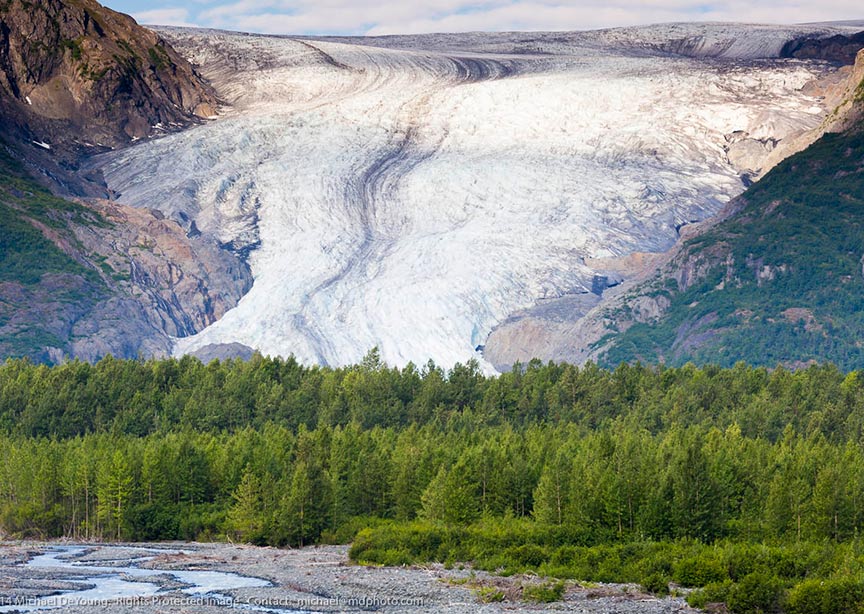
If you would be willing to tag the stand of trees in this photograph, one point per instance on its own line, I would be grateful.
(275, 486)
(160, 396)
(552, 468)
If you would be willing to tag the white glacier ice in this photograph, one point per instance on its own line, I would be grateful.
(412, 192)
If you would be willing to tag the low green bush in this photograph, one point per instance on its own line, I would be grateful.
(749, 578)
(489, 594)
(716, 592)
(756, 593)
(699, 570)
(347, 531)
(546, 592)
(565, 556)
(833, 596)
(528, 555)
(656, 584)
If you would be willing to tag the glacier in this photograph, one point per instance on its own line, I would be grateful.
(412, 192)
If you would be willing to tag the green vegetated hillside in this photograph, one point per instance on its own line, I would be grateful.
(745, 484)
(43, 288)
(779, 282)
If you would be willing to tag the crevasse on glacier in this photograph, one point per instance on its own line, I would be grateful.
(409, 193)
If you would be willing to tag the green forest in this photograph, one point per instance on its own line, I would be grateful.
(745, 483)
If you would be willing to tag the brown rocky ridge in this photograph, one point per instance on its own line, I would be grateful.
(77, 78)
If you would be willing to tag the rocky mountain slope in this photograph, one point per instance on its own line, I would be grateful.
(77, 78)
(413, 193)
(86, 278)
(776, 279)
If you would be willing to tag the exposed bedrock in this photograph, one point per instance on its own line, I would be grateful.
(77, 78)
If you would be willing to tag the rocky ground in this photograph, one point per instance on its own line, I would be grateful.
(319, 579)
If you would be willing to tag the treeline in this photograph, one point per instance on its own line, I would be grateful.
(639, 474)
(277, 487)
(158, 396)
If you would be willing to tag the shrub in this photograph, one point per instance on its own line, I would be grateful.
(347, 531)
(528, 555)
(203, 522)
(153, 522)
(835, 596)
(789, 562)
(656, 584)
(547, 592)
(716, 592)
(566, 556)
(392, 557)
(741, 560)
(756, 593)
(489, 594)
(699, 571)
(657, 563)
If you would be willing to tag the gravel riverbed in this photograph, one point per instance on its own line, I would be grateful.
(317, 579)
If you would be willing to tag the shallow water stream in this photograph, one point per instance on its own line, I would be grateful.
(123, 579)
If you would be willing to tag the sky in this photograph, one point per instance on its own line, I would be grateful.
(371, 17)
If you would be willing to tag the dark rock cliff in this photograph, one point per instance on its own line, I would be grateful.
(839, 49)
(76, 77)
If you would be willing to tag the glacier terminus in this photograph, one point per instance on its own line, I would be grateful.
(412, 192)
